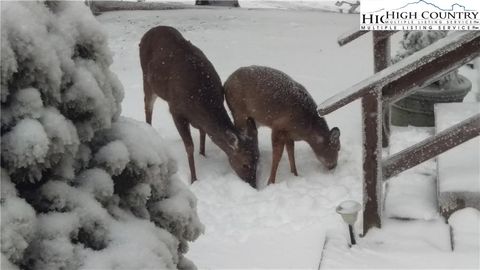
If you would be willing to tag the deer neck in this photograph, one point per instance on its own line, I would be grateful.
(218, 133)
(317, 131)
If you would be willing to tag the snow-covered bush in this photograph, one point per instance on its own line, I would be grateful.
(81, 186)
(18, 222)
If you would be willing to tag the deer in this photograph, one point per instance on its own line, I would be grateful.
(178, 72)
(269, 97)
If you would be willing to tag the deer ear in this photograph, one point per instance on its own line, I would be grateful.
(251, 128)
(335, 136)
(232, 140)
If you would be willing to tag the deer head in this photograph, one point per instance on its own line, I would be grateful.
(326, 146)
(243, 156)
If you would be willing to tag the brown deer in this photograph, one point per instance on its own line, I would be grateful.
(271, 98)
(178, 72)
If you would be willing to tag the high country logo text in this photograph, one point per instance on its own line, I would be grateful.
(420, 15)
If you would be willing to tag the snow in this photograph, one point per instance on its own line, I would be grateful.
(60, 131)
(136, 244)
(279, 248)
(97, 182)
(459, 167)
(411, 194)
(466, 228)
(399, 245)
(27, 103)
(18, 226)
(26, 146)
(113, 156)
(175, 214)
(284, 225)
(143, 149)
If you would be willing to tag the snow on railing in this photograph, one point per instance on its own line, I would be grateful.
(461, 45)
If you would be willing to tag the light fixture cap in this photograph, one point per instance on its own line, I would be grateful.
(349, 211)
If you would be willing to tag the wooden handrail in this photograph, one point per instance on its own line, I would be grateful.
(355, 33)
(350, 36)
(432, 147)
(390, 83)
(453, 57)
(460, 45)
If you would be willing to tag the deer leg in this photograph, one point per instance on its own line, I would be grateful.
(291, 156)
(183, 128)
(202, 142)
(278, 143)
(149, 100)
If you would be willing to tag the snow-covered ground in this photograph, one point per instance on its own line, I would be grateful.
(285, 225)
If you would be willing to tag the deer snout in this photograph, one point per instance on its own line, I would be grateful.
(251, 175)
(252, 181)
(247, 171)
(329, 164)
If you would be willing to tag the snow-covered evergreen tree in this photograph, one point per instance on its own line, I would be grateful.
(81, 186)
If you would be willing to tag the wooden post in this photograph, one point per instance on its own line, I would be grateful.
(476, 66)
(372, 157)
(381, 51)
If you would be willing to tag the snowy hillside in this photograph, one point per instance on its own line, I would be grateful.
(284, 225)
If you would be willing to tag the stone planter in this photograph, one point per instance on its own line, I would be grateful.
(417, 108)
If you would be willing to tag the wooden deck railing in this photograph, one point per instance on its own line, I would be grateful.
(390, 83)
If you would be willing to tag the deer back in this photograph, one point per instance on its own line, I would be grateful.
(272, 98)
(177, 70)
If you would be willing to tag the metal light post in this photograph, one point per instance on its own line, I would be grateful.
(349, 212)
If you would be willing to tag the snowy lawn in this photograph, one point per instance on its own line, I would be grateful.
(282, 225)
